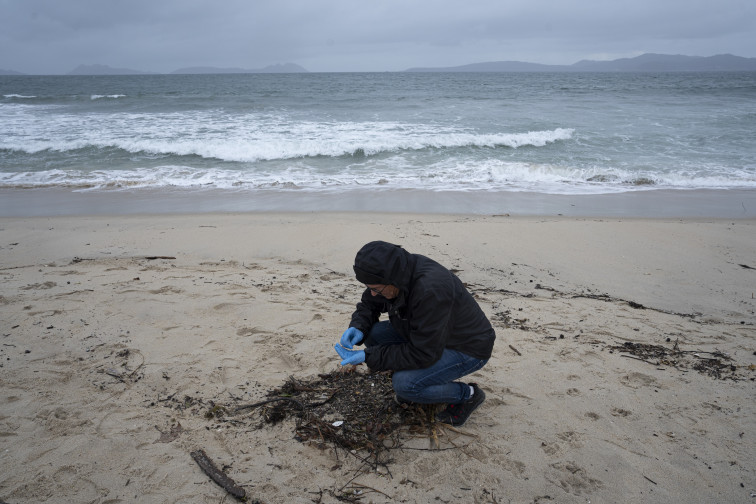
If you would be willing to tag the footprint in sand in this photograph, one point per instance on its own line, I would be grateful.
(565, 441)
(249, 331)
(637, 380)
(572, 478)
(619, 412)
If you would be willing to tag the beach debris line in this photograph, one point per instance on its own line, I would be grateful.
(217, 475)
(715, 364)
(352, 410)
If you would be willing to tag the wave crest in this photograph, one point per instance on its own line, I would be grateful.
(100, 97)
(445, 175)
(268, 140)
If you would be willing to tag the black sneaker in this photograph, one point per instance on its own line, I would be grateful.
(457, 414)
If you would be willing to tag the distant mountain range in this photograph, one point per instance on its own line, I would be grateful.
(644, 63)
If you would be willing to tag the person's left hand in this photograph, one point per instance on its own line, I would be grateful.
(350, 356)
(351, 337)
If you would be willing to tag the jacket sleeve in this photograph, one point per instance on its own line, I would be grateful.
(431, 306)
(367, 313)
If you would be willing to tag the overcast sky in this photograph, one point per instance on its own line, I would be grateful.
(55, 36)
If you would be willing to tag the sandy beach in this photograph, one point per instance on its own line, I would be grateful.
(119, 333)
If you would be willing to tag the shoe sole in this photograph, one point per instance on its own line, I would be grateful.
(477, 390)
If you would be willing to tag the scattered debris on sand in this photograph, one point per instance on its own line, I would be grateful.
(715, 364)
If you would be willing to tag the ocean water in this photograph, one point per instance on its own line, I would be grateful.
(303, 136)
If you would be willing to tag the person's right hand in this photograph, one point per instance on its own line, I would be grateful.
(352, 357)
(351, 337)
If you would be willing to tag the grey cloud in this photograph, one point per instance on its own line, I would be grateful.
(41, 36)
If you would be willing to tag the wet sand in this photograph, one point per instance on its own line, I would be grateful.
(729, 204)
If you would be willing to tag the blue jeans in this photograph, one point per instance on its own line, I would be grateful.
(431, 385)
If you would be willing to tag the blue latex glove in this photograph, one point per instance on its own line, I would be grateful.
(351, 337)
(350, 356)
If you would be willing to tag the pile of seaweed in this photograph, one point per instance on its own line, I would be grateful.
(352, 410)
(714, 364)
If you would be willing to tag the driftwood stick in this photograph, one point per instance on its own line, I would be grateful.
(515, 350)
(642, 360)
(217, 475)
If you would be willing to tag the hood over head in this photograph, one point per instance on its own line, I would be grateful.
(383, 263)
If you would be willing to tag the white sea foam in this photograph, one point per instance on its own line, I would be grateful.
(99, 97)
(18, 96)
(491, 175)
(251, 138)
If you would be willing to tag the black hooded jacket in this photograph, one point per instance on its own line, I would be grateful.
(432, 311)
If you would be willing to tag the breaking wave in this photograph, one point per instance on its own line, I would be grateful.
(268, 139)
(448, 175)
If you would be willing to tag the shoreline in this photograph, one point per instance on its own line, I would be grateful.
(724, 203)
(123, 333)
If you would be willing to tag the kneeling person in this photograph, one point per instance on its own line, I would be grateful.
(436, 332)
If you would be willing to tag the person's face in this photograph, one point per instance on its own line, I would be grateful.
(387, 291)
